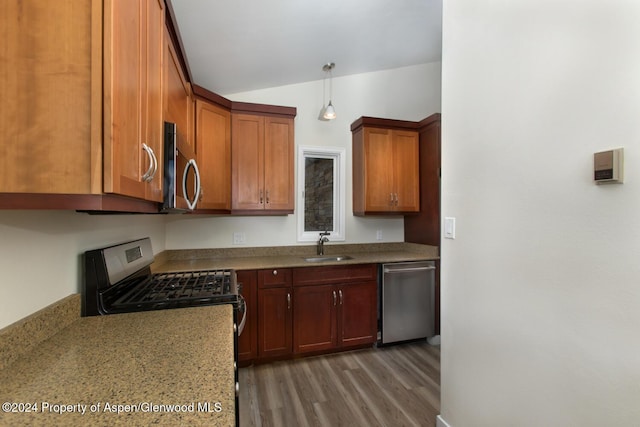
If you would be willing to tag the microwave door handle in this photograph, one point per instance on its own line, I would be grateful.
(197, 185)
(191, 164)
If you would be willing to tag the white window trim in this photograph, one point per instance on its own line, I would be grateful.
(339, 183)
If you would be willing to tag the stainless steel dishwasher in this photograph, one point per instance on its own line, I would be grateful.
(407, 301)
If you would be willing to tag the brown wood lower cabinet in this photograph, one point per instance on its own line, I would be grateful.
(329, 317)
(309, 310)
(315, 318)
(275, 313)
(334, 307)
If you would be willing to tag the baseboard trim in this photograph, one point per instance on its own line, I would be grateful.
(440, 422)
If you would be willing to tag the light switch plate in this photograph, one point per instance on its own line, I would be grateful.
(449, 227)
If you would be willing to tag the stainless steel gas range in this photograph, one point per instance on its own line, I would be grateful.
(118, 279)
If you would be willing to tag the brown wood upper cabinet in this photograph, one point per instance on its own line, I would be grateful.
(133, 132)
(213, 152)
(178, 99)
(82, 104)
(262, 156)
(385, 167)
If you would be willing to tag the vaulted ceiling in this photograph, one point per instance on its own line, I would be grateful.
(241, 45)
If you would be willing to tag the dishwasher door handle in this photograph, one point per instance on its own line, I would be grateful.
(407, 270)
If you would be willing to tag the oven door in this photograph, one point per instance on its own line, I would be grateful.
(182, 177)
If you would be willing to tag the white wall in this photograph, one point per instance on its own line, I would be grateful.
(410, 93)
(541, 287)
(40, 253)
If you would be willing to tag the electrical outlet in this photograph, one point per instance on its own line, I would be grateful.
(379, 235)
(239, 238)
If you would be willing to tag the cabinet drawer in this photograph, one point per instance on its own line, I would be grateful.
(274, 278)
(329, 274)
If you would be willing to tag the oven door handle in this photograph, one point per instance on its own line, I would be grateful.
(243, 303)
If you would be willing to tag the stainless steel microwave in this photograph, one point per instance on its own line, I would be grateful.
(181, 175)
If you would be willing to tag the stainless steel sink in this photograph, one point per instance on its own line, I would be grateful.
(325, 258)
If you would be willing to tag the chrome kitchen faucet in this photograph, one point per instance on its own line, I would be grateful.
(321, 241)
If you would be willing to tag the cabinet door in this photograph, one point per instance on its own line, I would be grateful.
(315, 318)
(178, 101)
(248, 341)
(213, 151)
(278, 164)
(152, 124)
(378, 169)
(406, 171)
(357, 314)
(133, 102)
(247, 157)
(124, 158)
(51, 119)
(274, 322)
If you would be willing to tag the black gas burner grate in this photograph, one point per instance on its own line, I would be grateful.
(179, 287)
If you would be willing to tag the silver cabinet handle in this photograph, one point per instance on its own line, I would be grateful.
(341, 299)
(288, 301)
(155, 164)
(148, 175)
(274, 272)
(261, 196)
(267, 196)
(334, 298)
(390, 199)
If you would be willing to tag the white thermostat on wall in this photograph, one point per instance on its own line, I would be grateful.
(608, 167)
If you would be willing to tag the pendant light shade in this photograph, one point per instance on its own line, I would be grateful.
(328, 112)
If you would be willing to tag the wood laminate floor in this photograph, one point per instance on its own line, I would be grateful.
(389, 386)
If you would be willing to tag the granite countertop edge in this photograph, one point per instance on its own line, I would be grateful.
(290, 256)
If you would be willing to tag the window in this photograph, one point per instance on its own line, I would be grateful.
(321, 194)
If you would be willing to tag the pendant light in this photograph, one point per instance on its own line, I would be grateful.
(328, 112)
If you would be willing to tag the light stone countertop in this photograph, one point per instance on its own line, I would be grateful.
(167, 357)
(289, 256)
